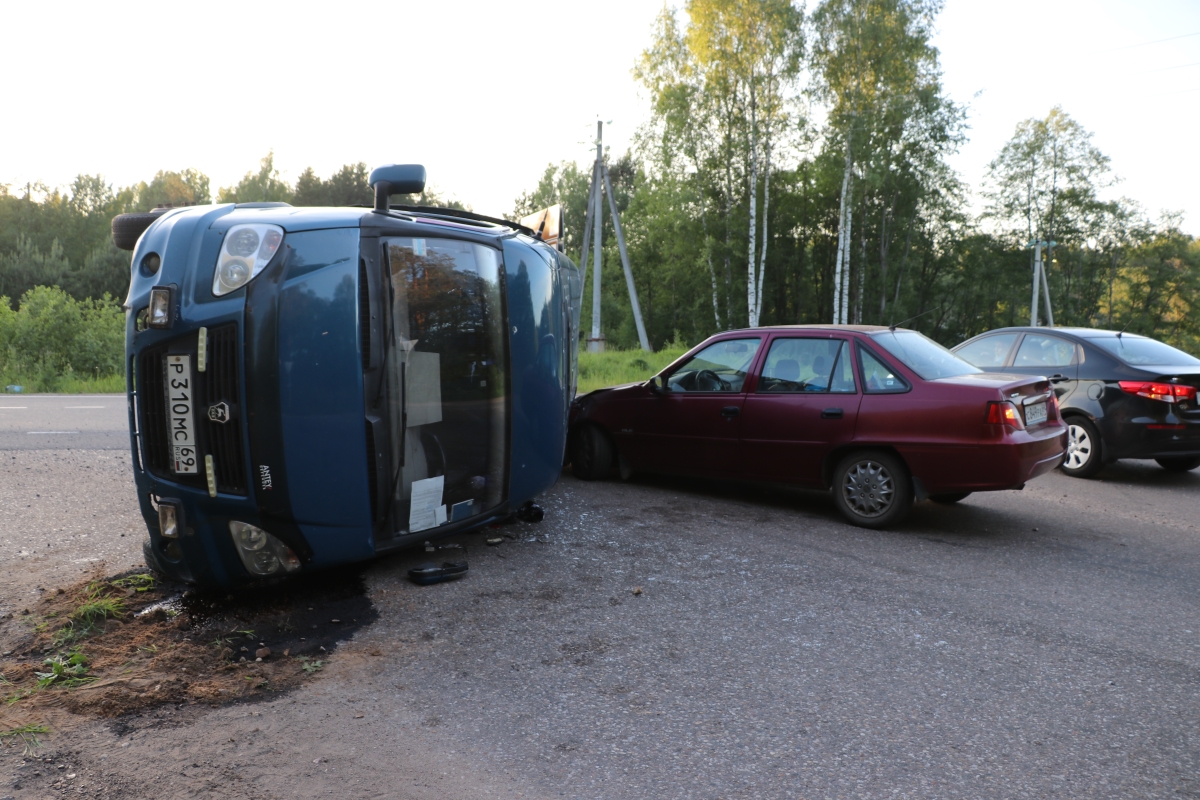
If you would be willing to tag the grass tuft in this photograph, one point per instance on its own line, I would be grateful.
(142, 582)
(99, 609)
(65, 671)
(27, 735)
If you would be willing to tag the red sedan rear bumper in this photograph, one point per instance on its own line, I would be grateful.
(1005, 463)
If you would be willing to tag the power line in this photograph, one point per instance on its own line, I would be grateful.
(1145, 44)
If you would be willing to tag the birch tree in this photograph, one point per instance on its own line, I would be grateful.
(875, 63)
(750, 50)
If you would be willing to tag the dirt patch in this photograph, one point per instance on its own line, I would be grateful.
(110, 646)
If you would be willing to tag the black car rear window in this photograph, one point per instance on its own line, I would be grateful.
(1137, 350)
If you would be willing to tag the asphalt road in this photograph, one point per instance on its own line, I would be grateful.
(1043, 643)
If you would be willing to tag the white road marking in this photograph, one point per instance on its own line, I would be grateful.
(31, 433)
(6, 408)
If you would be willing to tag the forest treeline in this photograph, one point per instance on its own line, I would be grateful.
(794, 169)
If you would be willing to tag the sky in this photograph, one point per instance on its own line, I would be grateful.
(486, 94)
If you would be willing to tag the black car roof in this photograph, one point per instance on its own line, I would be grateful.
(1082, 333)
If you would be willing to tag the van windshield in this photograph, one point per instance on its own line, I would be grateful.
(447, 381)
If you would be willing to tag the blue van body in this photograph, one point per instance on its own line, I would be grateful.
(386, 377)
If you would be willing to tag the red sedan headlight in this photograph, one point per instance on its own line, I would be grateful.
(1004, 413)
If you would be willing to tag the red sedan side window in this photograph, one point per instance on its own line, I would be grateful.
(878, 377)
(720, 367)
(807, 365)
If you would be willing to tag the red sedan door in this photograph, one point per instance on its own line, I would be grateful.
(805, 404)
(694, 425)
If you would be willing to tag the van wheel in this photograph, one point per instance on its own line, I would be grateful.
(591, 454)
(872, 489)
(128, 228)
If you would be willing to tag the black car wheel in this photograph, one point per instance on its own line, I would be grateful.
(872, 489)
(1179, 463)
(947, 499)
(591, 454)
(1084, 449)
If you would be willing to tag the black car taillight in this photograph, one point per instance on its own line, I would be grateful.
(1166, 392)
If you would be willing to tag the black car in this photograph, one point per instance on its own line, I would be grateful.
(1121, 395)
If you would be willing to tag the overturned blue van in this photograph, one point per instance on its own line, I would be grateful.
(311, 387)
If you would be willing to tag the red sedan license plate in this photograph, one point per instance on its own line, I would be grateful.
(181, 421)
(1035, 414)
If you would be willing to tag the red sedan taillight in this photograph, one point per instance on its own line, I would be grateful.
(1004, 413)
(1166, 392)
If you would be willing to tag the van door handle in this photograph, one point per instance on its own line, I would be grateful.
(1058, 378)
(831, 413)
(730, 411)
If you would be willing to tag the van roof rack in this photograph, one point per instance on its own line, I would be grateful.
(459, 214)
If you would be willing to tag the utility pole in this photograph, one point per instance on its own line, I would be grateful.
(1037, 278)
(596, 342)
(1039, 284)
(595, 211)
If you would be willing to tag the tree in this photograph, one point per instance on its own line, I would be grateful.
(188, 187)
(750, 50)
(266, 185)
(347, 187)
(878, 70)
(1044, 185)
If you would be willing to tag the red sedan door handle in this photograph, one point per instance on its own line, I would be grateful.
(831, 413)
(730, 411)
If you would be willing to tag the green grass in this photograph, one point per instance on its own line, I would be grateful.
(66, 671)
(98, 610)
(27, 735)
(141, 582)
(64, 384)
(614, 367)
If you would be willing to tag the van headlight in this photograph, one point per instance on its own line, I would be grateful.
(261, 553)
(245, 252)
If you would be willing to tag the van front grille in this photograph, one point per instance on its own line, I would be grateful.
(219, 384)
(152, 402)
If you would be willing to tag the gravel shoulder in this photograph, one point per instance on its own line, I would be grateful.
(686, 639)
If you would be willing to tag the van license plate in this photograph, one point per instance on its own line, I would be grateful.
(181, 421)
(1035, 413)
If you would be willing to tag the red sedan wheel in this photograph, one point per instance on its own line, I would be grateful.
(872, 489)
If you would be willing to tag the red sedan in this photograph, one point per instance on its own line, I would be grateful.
(881, 416)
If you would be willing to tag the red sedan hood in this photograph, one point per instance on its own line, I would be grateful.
(606, 389)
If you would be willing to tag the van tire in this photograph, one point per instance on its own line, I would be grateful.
(128, 228)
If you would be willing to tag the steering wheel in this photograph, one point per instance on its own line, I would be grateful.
(709, 381)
